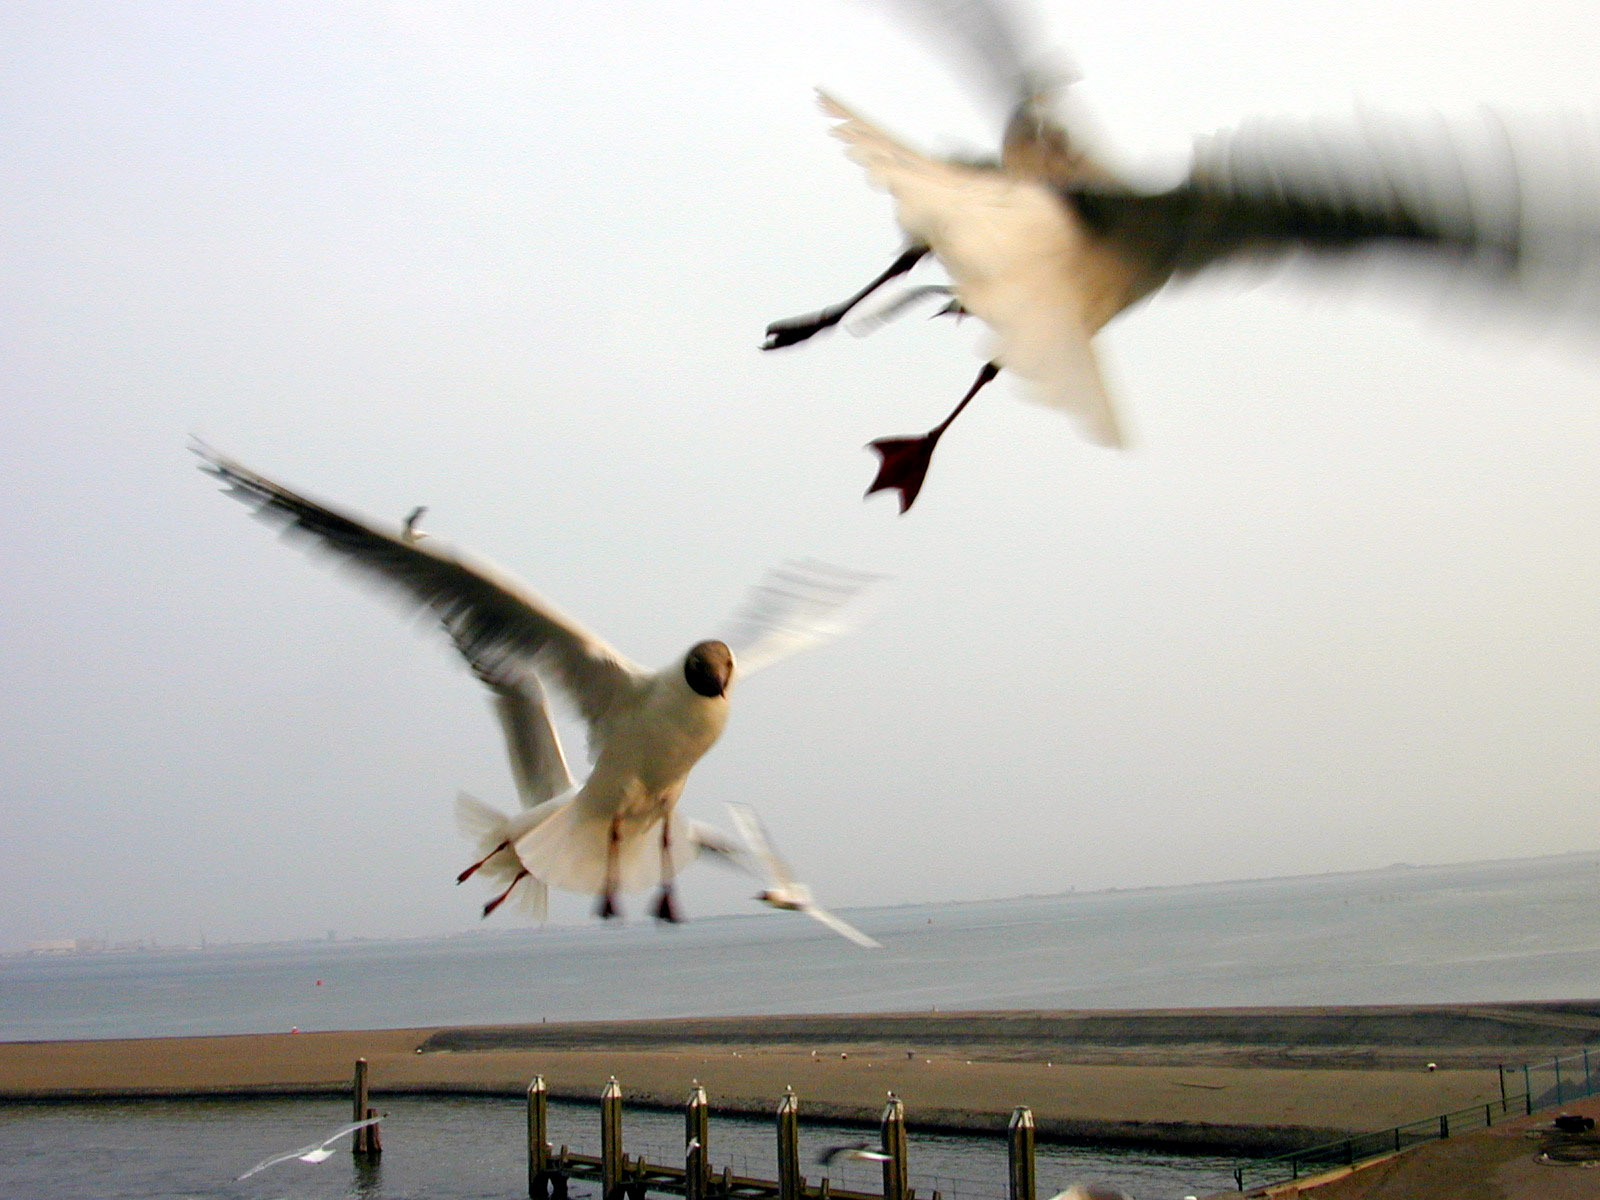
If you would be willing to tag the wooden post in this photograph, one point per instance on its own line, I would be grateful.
(893, 1129)
(610, 1140)
(366, 1140)
(1019, 1153)
(538, 1140)
(696, 1145)
(791, 1186)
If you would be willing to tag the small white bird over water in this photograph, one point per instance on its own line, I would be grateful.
(783, 890)
(314, 1153)
(620, 830)
(1049, 244)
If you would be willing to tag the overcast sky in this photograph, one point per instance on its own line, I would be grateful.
(1335, 609)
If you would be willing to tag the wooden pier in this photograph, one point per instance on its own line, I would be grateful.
(622, 1178)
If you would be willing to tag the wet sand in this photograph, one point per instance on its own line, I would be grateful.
(1226, 1080)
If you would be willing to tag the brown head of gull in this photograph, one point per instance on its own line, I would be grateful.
(620, 829)
(1048, 244)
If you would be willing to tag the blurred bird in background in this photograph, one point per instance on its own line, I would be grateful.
(1049, 244)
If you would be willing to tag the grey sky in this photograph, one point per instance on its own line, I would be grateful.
(1337, 607)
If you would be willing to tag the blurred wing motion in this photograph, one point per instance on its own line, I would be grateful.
(989, 37)
(314, 1153)
(853, 1152)
(491, 617)
(538, 763)
(1516, 204)
(797, 606)
(783, 889)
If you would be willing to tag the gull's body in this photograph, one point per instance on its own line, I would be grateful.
(314, 1153)
(1048, 245)
(620, 829)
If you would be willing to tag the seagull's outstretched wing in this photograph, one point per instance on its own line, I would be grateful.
(990, 35)
(314, 1153)
(840, 926)
(796, 895)
(1519, 205)
(1004, 241)
(797, 606)
(538, 763)
(710, 840)
(755, 838)
(490, 616)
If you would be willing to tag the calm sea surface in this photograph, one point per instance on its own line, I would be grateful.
(1525, 929)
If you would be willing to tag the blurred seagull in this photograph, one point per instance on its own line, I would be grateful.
(620, 830)
(858, 1152)
(783, 890)
(314, 1153)
(1049, 244)
(409, 532)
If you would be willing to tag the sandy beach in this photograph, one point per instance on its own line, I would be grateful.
(1224, 1080)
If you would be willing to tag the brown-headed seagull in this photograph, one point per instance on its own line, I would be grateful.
(620, 830)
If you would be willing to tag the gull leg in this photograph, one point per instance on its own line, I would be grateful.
(501, 898)
(906, 460)
(797, 329)
(666, 909)
(608, 898)
(473, 869)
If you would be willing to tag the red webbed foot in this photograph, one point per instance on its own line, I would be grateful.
(904, 466)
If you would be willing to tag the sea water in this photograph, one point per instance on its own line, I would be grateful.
(463, 1149)
(1513, 930)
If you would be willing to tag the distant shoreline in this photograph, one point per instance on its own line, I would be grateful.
(65, 948)
(1216, 1080)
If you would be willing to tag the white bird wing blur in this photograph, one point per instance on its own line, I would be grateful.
(1018, 265)
(708, 839)
(490, 616)
(538, 763)
(840, 926)
(782, 879)
(755, 838)
(314, 1153)
(797, 606)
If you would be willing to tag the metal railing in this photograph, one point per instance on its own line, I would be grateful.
(1546, 1084)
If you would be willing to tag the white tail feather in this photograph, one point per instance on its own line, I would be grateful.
(487, 827)
(567, 849)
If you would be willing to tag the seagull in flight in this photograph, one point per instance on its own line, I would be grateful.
(783, 890)
(854, 1152)
(620, 830)
(1049, 244)
(314, 1153)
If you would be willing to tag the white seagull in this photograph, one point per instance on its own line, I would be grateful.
(620, 830)
(854, 1152)
(783, 890)
(1048, 245)
(314, 1153)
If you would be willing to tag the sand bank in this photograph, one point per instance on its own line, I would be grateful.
(1245, 1079)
